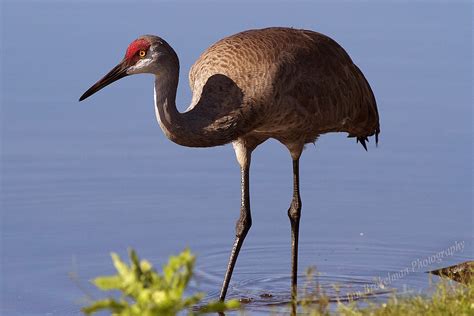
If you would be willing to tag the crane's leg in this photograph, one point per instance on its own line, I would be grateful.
(245, 220)
(294, 213)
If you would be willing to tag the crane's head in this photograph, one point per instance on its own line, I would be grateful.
(147, 54)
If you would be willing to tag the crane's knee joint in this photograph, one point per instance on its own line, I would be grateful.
(294, 212)
(243, 225)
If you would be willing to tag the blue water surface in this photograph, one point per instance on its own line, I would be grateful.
(79, 180)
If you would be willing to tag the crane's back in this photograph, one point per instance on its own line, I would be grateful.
(298, 83)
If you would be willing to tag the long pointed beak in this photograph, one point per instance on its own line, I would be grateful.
(118, 72)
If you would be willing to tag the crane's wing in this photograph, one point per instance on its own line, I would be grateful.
(334, 91)
(221, 109)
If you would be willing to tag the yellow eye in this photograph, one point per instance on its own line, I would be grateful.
(142, 53)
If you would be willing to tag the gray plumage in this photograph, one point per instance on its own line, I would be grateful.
(295, 84)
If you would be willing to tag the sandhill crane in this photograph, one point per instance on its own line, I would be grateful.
(288, 84)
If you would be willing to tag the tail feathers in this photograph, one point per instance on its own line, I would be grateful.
(364, 140)
(377, 132)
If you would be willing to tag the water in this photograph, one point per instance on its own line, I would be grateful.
(81, 180)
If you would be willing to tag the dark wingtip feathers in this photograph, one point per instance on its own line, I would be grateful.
(377, 137)
(362, 141)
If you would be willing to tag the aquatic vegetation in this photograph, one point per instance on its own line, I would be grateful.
(449, 298)
(146, 292)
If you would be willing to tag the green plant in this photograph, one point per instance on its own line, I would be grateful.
(146, 292)
(448, 298)
(314, 298)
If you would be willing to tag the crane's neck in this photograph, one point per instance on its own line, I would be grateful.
(193, 128)
(167, 114)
